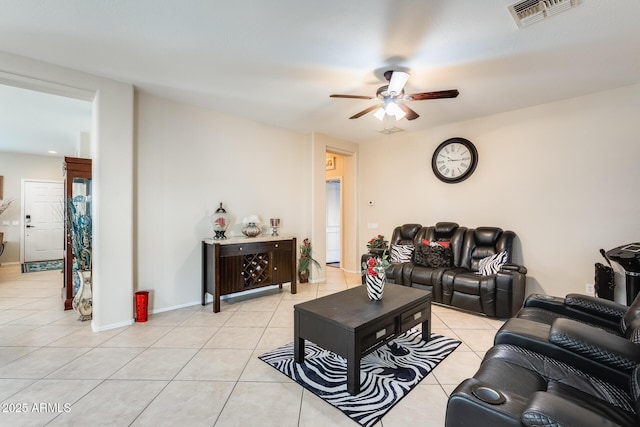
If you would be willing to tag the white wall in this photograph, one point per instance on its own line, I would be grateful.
(15, 167)
(188, 160)
(564, 176)
(112, 154)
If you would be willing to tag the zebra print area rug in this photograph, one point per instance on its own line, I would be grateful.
(386, 376)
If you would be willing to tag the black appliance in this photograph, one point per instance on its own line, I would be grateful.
(628, 256)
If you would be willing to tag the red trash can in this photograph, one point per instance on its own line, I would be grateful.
(142, 305)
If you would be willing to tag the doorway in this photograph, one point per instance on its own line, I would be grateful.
(334, 221)
(43, 220)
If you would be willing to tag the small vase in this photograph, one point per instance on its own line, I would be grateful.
(83, 301)
(251, 230)
(375, 286)
(303, 276)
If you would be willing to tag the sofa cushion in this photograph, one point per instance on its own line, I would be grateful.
(491, 264)
(401, 253)
(443, 243)
(433, 255)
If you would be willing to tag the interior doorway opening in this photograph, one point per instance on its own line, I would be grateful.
(334, 222)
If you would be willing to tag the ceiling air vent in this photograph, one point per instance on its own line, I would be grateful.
(388, 131)
(527, 12)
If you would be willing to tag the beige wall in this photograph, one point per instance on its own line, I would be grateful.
(188, 161)
(563, 176)
(15, 167)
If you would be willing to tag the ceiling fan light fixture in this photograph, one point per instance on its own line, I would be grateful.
(393, 109)
(391, 97)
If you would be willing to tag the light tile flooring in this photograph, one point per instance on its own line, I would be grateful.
(188, 367)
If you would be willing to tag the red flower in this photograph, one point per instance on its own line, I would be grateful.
(371, 262)
(371, 272)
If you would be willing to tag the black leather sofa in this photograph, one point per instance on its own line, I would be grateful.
(459, 284)
(558, 362)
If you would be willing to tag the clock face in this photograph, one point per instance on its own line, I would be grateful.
(454, 160)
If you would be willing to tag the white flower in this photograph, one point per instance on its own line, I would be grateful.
(255, 219)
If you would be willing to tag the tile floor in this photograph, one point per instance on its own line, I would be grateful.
(188, 367)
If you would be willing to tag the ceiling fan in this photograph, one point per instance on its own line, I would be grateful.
(391, 95)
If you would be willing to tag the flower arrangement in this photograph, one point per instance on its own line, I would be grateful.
(306, 257)
(251, 219)
(376, 266)
(377, 242)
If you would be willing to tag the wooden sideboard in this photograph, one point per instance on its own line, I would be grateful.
(243, 263)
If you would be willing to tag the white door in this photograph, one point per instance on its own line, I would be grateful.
(334, 218)
(43, 220)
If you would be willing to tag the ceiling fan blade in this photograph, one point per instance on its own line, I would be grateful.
(351, 96)
(432, 95)
(363, 112)
(410, 114)
(397, 82)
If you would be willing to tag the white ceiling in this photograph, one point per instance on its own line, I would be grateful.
(278, 61)
(38, 123)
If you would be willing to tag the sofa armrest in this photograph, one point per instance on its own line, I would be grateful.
(514, 267)
(599, 306)
(510, 291)
(464, 408)
(597, 311)
(546, 409)
(595, 344)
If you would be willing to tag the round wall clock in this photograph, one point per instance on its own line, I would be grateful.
(454, 160)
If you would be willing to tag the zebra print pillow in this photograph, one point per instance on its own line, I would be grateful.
(491, 264)
(401, 253)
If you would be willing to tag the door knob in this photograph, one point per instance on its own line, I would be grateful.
(31, 226)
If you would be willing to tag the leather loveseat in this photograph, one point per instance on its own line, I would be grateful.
(457, 281)
(557, 365)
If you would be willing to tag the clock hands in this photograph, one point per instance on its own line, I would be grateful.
(457, 160)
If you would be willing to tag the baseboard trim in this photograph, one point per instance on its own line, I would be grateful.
(95, 328)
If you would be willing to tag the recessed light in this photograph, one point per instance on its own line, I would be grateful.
(52, 152)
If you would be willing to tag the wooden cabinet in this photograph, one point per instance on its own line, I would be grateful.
(240, 264)
(77, 187)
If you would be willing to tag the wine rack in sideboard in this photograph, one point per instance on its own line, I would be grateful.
(240, 264)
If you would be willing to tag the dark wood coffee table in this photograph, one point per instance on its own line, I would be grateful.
(350, 325)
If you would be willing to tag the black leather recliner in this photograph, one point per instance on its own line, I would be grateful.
(572, 340)
(496, 295)
(430, 278)
(598, 312)
(515, 386)
(562, 373)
